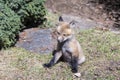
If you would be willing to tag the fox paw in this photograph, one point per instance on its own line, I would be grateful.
(77, 74)
(74, 70)
(47, 65)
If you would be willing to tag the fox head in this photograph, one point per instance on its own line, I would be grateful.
(64, 31)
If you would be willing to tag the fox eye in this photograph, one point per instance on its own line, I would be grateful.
(58, 33)
(64, 34)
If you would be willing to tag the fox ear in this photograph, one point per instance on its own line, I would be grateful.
(72, 24)
(60, 18)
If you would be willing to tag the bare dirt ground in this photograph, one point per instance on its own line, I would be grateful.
(80, 8)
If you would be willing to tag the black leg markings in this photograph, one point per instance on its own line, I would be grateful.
(51, 63)
(74, 64)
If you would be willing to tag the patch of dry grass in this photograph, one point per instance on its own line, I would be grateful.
(102, 50)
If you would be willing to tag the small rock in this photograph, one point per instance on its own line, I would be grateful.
(77, 74)
(36, 40)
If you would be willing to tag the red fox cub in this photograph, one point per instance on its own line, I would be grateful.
(68, 48)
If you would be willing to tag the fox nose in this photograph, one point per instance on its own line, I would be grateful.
(60, 39)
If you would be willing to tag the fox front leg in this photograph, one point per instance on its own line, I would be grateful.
(54, 60)
(74, 64)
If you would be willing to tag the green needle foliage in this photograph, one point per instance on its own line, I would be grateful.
(16, 15)
(9, 26)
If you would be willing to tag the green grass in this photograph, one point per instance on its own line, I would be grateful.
(102, 48)
(52, 19)
(103, 44)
